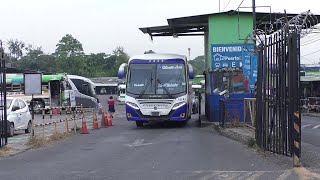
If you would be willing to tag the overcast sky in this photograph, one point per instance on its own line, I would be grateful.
(101, 25)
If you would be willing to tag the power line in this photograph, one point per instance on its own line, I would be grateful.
(239, 5)
(311, 53)
(310, 42)
(226, 5)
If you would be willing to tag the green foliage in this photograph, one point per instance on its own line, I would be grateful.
(70, 58)
(198, 65)
(16, 48)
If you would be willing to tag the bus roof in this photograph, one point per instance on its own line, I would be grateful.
(18, 78)
(158, 56)
(122, 86)
(81, 77)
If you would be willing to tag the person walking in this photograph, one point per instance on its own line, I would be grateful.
(111, 105)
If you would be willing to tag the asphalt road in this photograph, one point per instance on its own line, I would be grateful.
(310, 127)
(156, 151)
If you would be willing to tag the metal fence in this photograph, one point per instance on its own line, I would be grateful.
(3, 107)
(278, 104)
(231, 112)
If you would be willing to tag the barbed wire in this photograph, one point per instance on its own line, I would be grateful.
(303, 23)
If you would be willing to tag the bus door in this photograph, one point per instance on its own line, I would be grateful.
(55, 93)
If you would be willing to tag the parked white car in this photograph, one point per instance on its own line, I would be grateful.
(18, 115)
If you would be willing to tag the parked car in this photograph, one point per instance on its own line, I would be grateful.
(18, 116)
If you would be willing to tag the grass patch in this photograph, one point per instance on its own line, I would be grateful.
(252, 143)
(5, 150)
(36, 141)
(57, 136)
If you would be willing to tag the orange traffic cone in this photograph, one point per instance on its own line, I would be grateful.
(109, 119)
(84, 125)
(55, 110)
(95, 121)
(103, 121)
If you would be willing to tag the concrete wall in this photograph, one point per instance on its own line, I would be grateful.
(228, 29)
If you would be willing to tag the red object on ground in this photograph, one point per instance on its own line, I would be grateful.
(103, 121)
(55, 111)
(109, 119)
(84, 129)
(95, 121)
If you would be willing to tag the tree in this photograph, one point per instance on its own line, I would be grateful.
(69, 55)
(198, 64)
(16, 48)
(69, 46)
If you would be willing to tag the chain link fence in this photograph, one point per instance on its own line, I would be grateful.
(231, 112)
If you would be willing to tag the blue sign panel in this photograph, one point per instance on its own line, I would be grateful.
(236, 56)
(226, 55)
(254, 72)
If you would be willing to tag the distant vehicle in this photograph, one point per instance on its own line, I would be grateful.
(122, 93)
(84, 91)
(197, 89)
(157, 88)
(18, 116)
(103, 91)
(52, 90)
(56, 91)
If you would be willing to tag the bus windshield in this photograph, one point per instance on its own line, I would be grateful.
(157, 79)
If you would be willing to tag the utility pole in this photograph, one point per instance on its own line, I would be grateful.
(219, 5)
(189, 49)
(254, 14)
(254, 24)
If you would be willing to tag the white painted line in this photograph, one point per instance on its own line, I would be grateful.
(304, 126)
(316, 127)
(285, 175)
(210, 176)
(256, 175)
(138, 142)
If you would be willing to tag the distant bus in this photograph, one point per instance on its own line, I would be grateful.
(56, 90)
(157, 88)
(121, 92)
(84, 91)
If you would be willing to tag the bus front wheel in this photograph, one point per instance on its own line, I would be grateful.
(139, 123)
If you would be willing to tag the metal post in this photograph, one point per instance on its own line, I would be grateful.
(74, 120)
(254, 24)
(32, 120)
(199, 109)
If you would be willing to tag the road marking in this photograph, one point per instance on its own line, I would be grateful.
(304, 126)
(211, 175)
(256, 175)
(316, 127)
(138, 142)
(285, 175)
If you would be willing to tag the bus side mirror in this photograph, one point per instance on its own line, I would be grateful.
(121, 71)
(191, 73)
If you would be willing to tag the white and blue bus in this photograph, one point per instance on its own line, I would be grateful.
(121, 92)
(157, 88)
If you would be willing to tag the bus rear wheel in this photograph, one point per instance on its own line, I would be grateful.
(139, 123)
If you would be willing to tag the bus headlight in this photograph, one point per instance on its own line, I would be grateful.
(133, 105)
(177, 105)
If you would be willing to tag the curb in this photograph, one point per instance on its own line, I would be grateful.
(233, 135)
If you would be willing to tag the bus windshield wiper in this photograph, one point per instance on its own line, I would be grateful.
(165, 88)
(146, 87)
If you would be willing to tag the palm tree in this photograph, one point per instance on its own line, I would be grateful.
(16, 48)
